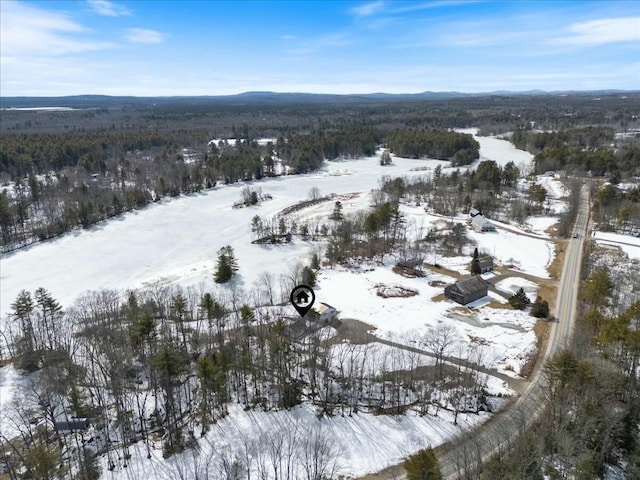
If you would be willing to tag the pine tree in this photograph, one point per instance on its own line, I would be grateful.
(385, 158)
(519, 300)
(474, 266)
(227, 265)
(315, 261)
(308, 277)
(337, 211)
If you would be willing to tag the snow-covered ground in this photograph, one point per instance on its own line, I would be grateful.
(530, 255)
(502, 151)
(362, 443)
(628, 244)
(176, 241)
(512, 284)
(540, 225)
(507, 335)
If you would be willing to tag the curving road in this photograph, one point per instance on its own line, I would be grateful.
(471, 448)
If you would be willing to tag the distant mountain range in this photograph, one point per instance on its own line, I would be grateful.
(98, 101)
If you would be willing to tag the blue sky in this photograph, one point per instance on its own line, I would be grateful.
(215, 47)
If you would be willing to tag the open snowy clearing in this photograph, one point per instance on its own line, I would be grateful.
(506, 336)
(628, 244)
(176, 240)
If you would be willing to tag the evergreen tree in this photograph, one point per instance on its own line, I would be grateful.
(315, 261)
(598, 288)
(474, 266)
(308, 276)
(227, 265)
(385, 158)
(519, 300)
(337, 211)
(423, 466)
(540, 308)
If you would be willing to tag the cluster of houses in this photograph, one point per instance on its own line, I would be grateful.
(474, 288)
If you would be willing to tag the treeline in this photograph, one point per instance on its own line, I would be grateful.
(38, 153)
(459, 148)
(581, 150)
(99, 175)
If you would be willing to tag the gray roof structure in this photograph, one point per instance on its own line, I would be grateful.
(471, 285)
(485, 261)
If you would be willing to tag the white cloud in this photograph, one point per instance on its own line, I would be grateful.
(435, 4)
(144, 35)
(107, 8)
(602, 31)
(27, 30)
(367, 9)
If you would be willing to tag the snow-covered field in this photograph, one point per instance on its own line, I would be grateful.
(176, 241)
(530, 255)
(628, 244)
(540, 225)
(363, 443)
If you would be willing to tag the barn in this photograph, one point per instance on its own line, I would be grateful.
(467, 291)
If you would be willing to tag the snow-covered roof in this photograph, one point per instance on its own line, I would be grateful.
(482, 223)
(323, 307)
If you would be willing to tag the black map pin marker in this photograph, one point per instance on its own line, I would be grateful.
(302, 298)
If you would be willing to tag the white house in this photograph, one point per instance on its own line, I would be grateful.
(481, 224)
(325, 312)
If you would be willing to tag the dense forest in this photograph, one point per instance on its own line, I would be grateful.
(460, 148)
(582, 150)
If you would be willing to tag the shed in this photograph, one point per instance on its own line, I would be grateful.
(71, 425)
(474, 212)
(467, 291)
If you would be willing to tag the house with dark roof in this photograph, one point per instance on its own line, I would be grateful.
(467, 291)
